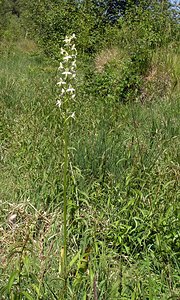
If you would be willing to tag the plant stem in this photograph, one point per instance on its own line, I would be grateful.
(65, 204)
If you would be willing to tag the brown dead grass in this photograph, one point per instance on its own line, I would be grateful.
(106, 56)
(26, 231)
(27, 46)
(162, 78)
(157, 83)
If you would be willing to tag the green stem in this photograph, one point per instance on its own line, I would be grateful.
(65, 204)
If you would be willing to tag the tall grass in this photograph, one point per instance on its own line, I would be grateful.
(122, 225)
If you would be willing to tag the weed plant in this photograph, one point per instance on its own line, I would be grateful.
(122, 191)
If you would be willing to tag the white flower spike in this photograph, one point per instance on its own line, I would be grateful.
(67, 74)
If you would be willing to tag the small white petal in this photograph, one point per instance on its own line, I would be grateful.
(70, 89)
(67, 57)
(74, 63)
(73, 115)
(60, 66)
(67, 40)
(73, 75)
(63, 91)
(73, 47)
(66, 73)
(59, 103)
(61, 82)
(63, 51)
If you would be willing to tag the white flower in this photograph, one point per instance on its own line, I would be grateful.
(63, 51)
(60, 66)
(67, 57)
(59, 103)
(73, 64)
(73, 75)
(73, 96)
(70, 89)
(61, 82)
(73, 115)
(63, 92)
(73, 69)
(68, 39)
(73, 47)
(66, 73)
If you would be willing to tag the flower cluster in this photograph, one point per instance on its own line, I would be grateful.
(67, 71)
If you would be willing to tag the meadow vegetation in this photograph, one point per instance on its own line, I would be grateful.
(121, 186)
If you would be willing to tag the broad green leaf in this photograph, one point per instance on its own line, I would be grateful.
(27, 295)
(11, 280)
(75, 258)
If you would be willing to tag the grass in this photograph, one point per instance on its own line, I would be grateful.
(123, 193)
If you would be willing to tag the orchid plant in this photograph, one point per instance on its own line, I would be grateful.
(66, 94)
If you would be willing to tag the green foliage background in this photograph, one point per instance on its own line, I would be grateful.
(123, 176)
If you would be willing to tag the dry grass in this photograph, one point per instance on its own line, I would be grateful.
(161, 79)
(27, 46)
(156, 83)
(106, 56)
(24, 229)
